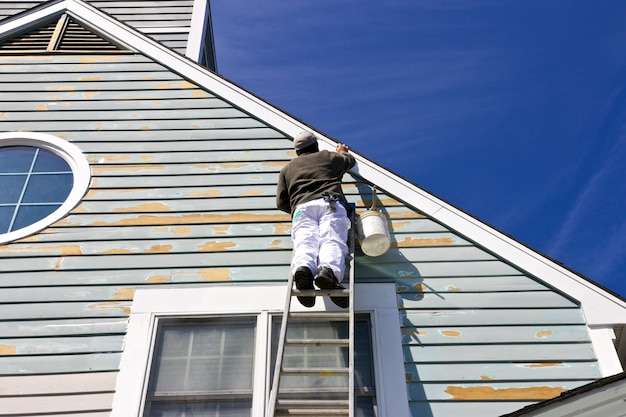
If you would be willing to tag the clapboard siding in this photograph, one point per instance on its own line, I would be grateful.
(183, 194)
(166, 21)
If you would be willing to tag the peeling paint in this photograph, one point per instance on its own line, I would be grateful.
(452, 288)
(204, 193)
(276, 244)
(146, 219)
(147, 158)
(490, 393)
(148, 207)
(159, 249)
(221, 230)
(158, 279)
(199, 93)
(213, 246)
(61, 250)
(250, 193)
(100, 170)
(219, 274)
(96, 59)
(90, 94)
(106, 306)
(42, 107)
(182, 231)
(486, 378)
(234, 165)
(124, 294)
(538, 364)
(94, 192)
(543, 334)
(114, 251)
(145, 128)
(420, 287)
(61, 88)
(91, 79)
(401, 288)
(8, 350)
(275, 164)
(409, 242)
(281, 228)
(450, 333)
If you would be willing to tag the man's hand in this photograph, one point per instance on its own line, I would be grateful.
(341, 148)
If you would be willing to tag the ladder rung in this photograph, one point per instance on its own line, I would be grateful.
(315, 371)
(317, 342)
(321, 316)
(311, 412)
(292, 404)
(320, 293)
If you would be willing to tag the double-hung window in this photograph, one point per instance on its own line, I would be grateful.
(211, 351)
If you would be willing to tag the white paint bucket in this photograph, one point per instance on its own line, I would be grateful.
(373, 233)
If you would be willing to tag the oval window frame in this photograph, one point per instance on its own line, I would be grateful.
(71, 154)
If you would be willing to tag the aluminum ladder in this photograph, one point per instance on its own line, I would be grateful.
(343, 402)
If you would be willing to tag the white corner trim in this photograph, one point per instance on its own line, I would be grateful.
(603, 340)
(197, 30)
(74, 158)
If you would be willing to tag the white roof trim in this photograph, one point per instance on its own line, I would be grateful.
(600, 306)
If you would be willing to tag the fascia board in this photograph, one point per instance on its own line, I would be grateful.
(31, 19)
(600, 307)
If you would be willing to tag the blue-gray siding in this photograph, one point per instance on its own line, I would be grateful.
(183, 194)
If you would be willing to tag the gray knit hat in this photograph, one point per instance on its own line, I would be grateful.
(303, 139)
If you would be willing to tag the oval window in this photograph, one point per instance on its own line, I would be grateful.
(42, 178)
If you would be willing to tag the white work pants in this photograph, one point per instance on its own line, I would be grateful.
(319, 237)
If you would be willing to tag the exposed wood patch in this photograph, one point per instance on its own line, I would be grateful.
(158, 279)
(276, 244)
(97, 170)
(414, 333)
(450, 333)
(409, 241)
(114, 251)
(486, 378)
(181, 231)
(539, 364)
(213, 246)
(150, 207)
(186, 219)
(159, 249)
(111, 305)
(8, 350)
(250, 193)
(60, 250)
(543, 334)
(205, 193)
(221, 230)
(124, 294)
(218, 274)
(281, 228)
(490, 393)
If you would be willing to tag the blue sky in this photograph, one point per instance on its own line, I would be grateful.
(513, 111)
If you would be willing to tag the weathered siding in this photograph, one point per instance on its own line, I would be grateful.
(166, 21)
(183, 194)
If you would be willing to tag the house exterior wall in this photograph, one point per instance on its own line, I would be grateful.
(182, 194)
(166, 21)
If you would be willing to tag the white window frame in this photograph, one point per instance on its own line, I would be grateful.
(74, 158)
(150, 305)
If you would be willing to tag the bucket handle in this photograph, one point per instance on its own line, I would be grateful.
(373, 208)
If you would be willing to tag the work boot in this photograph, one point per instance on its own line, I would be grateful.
(326, 280)
(304, 281)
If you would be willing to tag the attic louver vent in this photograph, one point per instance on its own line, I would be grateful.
(63, 35)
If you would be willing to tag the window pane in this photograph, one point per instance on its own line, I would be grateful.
(48, 161)
(11, 188)
(48, 188)
(16, 158)
(205, 357)
(200, 409)
(27, 215)
(6, 214)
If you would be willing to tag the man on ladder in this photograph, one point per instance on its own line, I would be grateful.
(309, 188)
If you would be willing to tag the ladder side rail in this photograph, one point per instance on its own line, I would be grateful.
(351, 387)
(280, 351)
